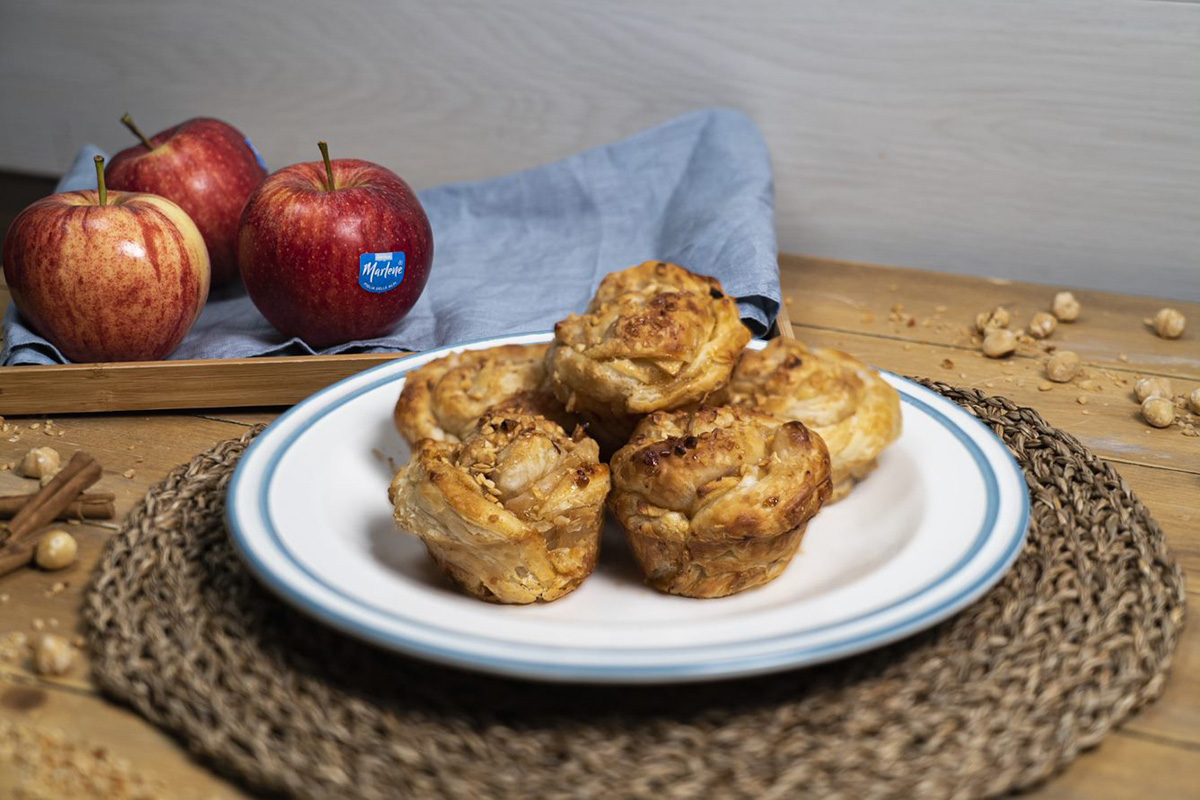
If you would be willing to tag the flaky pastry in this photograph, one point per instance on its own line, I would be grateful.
(654, 337)
(853, 409)
(715, 501)
(513, 513)
(443, 399)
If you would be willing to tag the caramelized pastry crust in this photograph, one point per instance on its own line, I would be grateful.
(854, 410)
(654, 337)
(443, 399)
(512, 514)
(715, 501)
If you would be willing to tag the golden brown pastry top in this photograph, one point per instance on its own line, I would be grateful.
(513, 512)
(443, 399)
(850, 405)
(654, 337)
(718, 474)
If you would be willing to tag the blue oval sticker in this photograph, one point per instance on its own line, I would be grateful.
(380, 272)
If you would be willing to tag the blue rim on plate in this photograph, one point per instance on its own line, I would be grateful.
(536, 661)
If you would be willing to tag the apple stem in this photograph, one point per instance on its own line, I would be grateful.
(100, 180)
(136, 131)
(330, 186)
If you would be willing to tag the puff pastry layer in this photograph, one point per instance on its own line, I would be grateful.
(654, 337)
(443, 399)
(715, 501)
(513, 513)
(853, 409)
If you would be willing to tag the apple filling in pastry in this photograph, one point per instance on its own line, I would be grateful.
(654, 337)
(443, 399)
(513, 513)
(849, 404)
(715, 501)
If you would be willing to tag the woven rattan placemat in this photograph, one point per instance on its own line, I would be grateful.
(1077, 636)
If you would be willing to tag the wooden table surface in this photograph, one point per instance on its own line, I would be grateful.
(863, 309)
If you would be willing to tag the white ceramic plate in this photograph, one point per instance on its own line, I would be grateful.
(938, 523)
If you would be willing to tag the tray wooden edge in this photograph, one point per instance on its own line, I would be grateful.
(182, 384)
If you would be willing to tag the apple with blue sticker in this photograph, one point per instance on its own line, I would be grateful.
(334, 251)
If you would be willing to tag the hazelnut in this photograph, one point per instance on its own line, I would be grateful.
(52, 655)
(1194, 400)
(1152, 387)
(56, 550)
(1065, 307)
(1062, 366)
(1169, 323)
(1158, 411)
(999, 343)
(998, 317)
(1042, 325)
(40, 462)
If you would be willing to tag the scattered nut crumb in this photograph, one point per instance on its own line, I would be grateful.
(41, 462)
(1045, 386)
(40, 762)
(998, 317)
(947, 364)
(1062, 366)
(128, 473)
(1083, 401)
(1194, 400)
(999, 343)
(56, 550)
(1158, 411)
(38, 624)
(1065, 307)
(1152, 387)
(868, 319)
(52, 655)
(788, 299)
(1042, 325)
(1169, 323)
(1122, 357)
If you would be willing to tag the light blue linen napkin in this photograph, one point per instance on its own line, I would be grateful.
(518, 253)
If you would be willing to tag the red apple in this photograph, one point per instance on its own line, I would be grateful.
(204, 165)
(301, 247)
(107, 276)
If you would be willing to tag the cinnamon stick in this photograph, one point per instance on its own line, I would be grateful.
(90, 505)
(80, 472)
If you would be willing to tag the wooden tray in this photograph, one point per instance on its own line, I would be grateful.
(201, 383)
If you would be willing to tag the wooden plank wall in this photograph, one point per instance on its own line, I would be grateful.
(1052, 141)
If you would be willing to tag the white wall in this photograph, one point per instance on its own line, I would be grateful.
(1056, 141)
